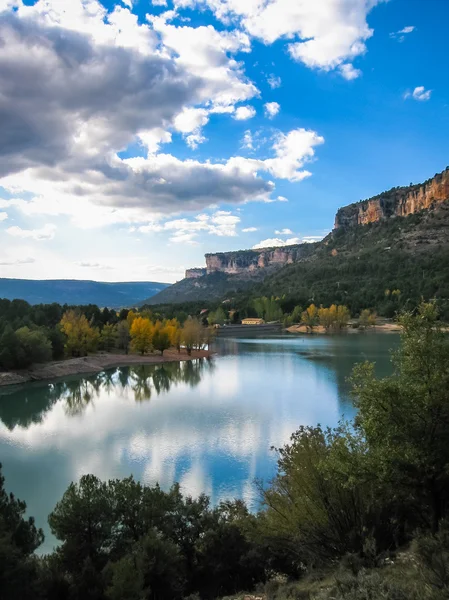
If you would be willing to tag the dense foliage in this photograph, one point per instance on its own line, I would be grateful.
(37, 334)
(351, 496)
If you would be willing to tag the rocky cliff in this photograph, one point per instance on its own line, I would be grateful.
(195, 273)
(250, 261)
(398, 202)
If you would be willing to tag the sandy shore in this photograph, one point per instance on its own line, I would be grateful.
(384, 328)
(92, 364)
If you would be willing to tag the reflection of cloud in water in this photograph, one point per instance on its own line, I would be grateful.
(207, 424)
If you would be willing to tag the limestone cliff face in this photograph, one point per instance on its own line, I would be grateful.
(250, 261)
(195, 273)
(398, 202)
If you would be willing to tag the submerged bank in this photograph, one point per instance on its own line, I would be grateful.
(92, 364)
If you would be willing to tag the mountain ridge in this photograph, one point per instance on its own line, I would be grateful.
(79, 291)
(388, 212)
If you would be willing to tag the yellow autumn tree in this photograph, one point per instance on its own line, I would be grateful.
(310, 316)
(367, 318)
(130, 318)
(173, 328)
(81, 338)
(141, 333)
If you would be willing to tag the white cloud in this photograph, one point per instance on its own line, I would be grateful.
(191, 119)
(272, 109)
(3, 216)
(311, 239)
(111, 82)
(194, 140)
(274, 81)
(400, 35)
(324, 34)
(407, 29)
(244, 113)
(159, 2)
(276, 242)
(282, 199)
(16, 261)
(47, 232)
(283, 232)
(221, 223)
(349, 72)
(419, 93)
(92, 265)
(249, 229)
(247, 141)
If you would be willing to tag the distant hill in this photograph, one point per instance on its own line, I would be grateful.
(398, 240)
(72, 291)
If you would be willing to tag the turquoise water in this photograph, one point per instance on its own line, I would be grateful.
(208, 424)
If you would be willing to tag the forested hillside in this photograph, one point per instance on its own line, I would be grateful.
(358, 266)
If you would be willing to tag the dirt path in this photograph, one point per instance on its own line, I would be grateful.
(92, 364)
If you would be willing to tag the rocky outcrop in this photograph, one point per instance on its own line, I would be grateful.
(398, 202)
(250, 261)
(195, 273)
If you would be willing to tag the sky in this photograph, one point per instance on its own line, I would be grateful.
(136, 136)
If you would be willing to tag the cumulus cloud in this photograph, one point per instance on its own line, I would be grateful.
(16, 262)
(249, 229)
(274, 81)
(3, 216)
(349, 72)
(283, 232)
(47, 232)
(271, 109)
(112, 81)
(276, 242)
(325, 34)
(221, 223)
(148, 187)
(400, 35)
(419, 93)
(244, 113)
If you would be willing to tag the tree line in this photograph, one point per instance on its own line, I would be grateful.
(345, 505)
(37, 334)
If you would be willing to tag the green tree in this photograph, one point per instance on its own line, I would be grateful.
(123, 336)
(19, 538)
(83, 520)
(405, 418)
(161, 340)
(35, 344)
(108, 337)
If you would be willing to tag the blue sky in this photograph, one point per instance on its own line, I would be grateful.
(139, 135)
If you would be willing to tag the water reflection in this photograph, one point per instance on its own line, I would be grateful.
(207, 424)
(22, 406)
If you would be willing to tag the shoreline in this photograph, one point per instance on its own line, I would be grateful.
(319, 330)
(94, 363)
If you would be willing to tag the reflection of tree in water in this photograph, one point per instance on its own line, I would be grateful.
(145, 380)
(79, 394)
(25, 405)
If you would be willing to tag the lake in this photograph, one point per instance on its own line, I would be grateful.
(209, 424)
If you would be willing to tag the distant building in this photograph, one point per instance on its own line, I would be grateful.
(253, 321)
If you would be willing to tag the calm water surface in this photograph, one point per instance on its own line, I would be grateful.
(208, 424)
